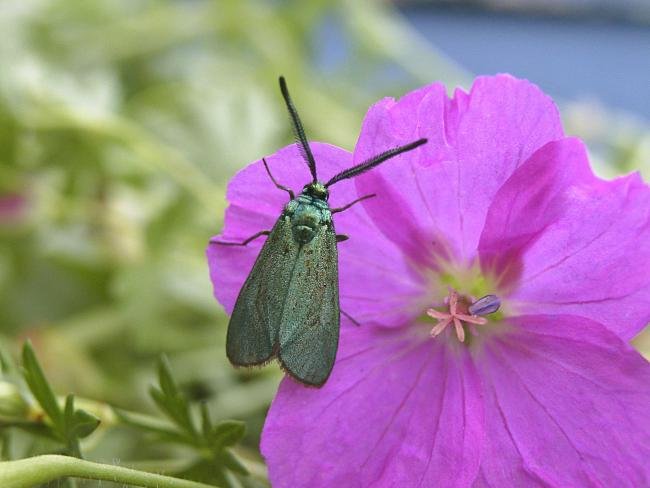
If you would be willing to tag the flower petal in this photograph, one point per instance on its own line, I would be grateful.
(536, 195)
(565, 241)
(566, 404)
(400, 210)
(444, 188)
(398, 410)
(376, 284)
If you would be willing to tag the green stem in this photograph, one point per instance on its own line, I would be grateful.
(33, 471)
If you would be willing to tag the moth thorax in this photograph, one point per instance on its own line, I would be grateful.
(303, 233)
(316, 190)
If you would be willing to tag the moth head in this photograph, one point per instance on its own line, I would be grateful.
(316, 190)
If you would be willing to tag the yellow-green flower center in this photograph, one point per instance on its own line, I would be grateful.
(464, 301)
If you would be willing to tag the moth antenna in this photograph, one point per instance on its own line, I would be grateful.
(298, 130)
(374, 161)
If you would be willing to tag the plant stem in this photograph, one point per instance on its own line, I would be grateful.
(26, 473)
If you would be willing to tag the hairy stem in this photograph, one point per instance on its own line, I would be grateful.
(29, 472)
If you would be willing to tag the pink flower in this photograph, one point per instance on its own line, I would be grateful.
(544, 392)
(13, 207)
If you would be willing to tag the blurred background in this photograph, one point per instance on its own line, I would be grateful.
(121, 122)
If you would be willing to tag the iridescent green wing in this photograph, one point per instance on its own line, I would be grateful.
(309, 328)
(255, 321)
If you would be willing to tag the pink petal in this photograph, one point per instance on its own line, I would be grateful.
(434, 200)
(566, 404)
(536, 195)
(376, 284)
(398, 410)
(568, 242)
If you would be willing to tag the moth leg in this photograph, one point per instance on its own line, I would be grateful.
(345, 207)
(342, 237)
(278, 185)
(351, 319)
(244, 242)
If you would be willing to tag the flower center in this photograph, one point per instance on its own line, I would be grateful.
(460, 312)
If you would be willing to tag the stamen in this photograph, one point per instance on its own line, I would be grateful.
(432, 312)
(460, 332)
(440, 326)
(483, 306)
(472, 319)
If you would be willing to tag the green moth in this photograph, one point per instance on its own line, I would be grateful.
(289, 305)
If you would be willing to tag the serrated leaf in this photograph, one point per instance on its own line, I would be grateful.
(40, 388)
(165, 378)
(138, 420)
(228, 432)
(78, 423)
(84, 424)
(174, 407)
(160, 431)
(71, 441)
(231, 462)
(171, 401)
(68, 410)
(160, 399)
(206, 421)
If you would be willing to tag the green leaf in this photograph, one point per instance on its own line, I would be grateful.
(68, 420)
(228, 433)
(78, 423)
(68, 411)
(231, 462)
(84, 424)
(175, 408)
(165, 378)
(171, 401)
(206, 421)
(68, 424)
(41, 389)
(158, 429)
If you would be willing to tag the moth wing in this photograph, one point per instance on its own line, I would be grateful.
(255, 320)
(309, 329)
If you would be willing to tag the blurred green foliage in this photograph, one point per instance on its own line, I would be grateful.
(121, 122)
